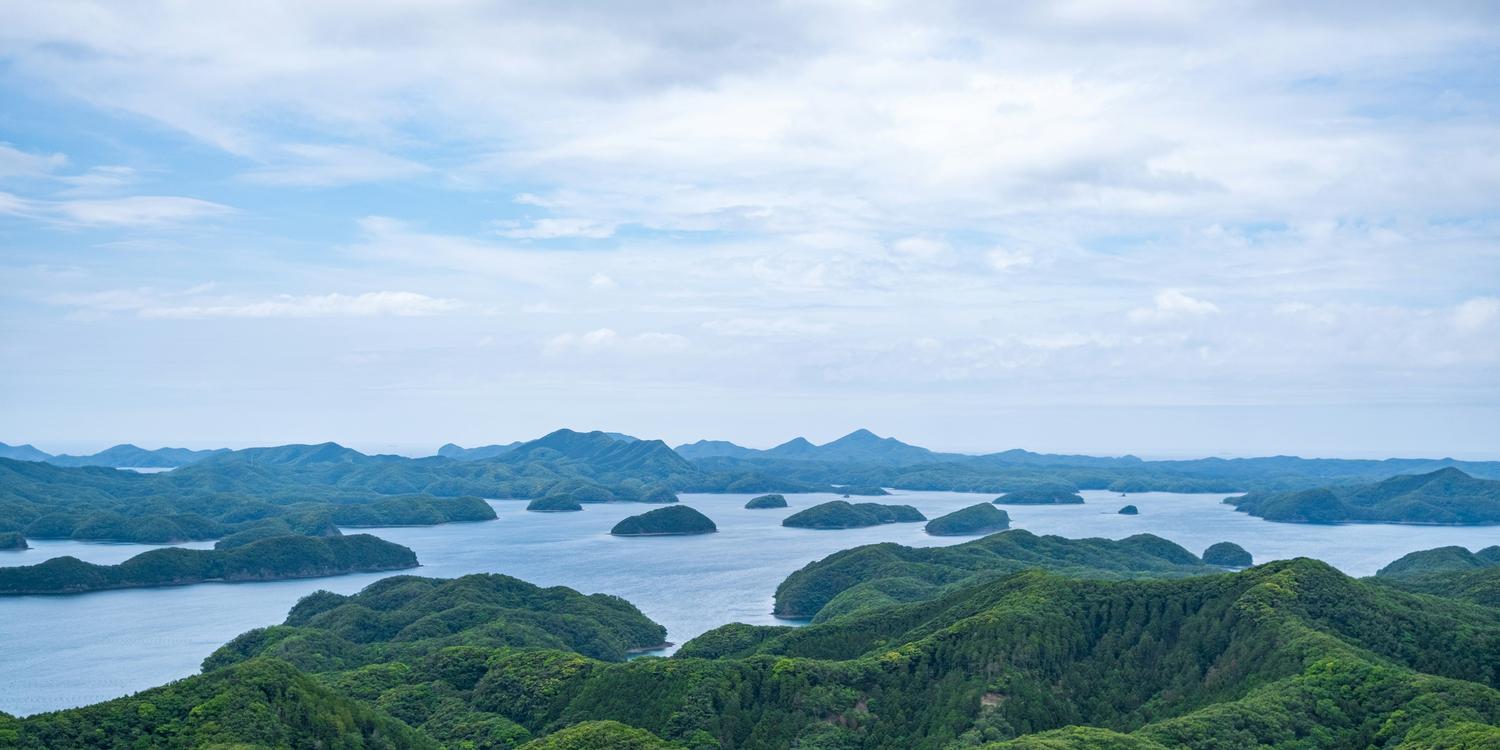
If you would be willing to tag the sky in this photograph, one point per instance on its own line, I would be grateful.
(1160, 228)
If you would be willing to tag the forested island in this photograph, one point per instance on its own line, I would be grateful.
(766, 501)
(672, 520)
(1227, 554)
(10, 540)
(554, 504)
(1445, 496)
(1041, 495)
(271, 559)
(983, 518)
(1288, 654)
(1130, 510)
(838, 514)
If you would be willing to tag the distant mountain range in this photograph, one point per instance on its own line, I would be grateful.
(122, 455)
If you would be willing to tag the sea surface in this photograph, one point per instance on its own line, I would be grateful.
(63, 651)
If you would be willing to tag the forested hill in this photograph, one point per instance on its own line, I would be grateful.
(1446, 496)
(1291, 655)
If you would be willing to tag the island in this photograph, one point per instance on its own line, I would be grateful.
(1130, 510)
(1445, 496)
(13, 541)
(272, 559)
(1041, 495)
(982, 518)
(554, 504)
(673, 520)
(1452, 572)
(1227, 555)
(838, 514)
(766, 501)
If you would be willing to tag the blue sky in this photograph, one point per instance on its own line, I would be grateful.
(1162, 228)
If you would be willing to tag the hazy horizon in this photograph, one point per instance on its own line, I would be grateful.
(1097, 227)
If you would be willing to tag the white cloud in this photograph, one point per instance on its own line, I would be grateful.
(315, 165)
(1170, 304)
(17, 163)
(1477, 313)
(607, 340)
(767, 327)
(138, 211)
(602, 281)
(551, 229)
(368, 304)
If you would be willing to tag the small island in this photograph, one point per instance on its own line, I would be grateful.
(766, 501)
(273, 559)
(982, 518)
(1130, 510)
(838, 514)
(1227, 555)
(1041, 495)
(671, 520)
(13, 541)
(554, 504)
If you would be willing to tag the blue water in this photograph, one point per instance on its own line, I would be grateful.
(62, 651)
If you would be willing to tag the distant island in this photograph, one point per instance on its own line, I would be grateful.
(1227, 554)
(671, 520)
(982, 518)
(554, 504)
(838, 514)
(1130, 510)
(766, 501)
(273, 559)
(10, 540)
(1043, 495)
(1445, 496)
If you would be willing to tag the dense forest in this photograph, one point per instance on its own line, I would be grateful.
(1446, 496)
(270, 559)
(840, 514)
(671, 520)
(982, 518)
(1291, 654)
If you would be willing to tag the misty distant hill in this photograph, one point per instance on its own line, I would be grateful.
(460, 453)
(123, 455)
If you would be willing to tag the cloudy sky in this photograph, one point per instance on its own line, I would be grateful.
(1153, 227)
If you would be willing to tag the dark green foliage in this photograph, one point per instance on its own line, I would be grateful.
(263, 704)
(837, 514)
(1288, 655)
(1130, 510)
(405, 618)
(734, 639)
(1451, 572)
(12, 540)
(806, 592)
(600, 735)
(270, 559)
(1446, 496)
(674, 519)
(1227, 554)
(554, 504)
(983, 518)
(1041, 495)
(766, 501)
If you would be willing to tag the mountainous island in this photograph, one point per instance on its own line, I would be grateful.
(10, 540)
(1130, 510)
(272, 559)
(1134, 649)
(982, 518)
(1227, 554)
(1445, 496)
(840, 514)
(766, 501)
(671, 520)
